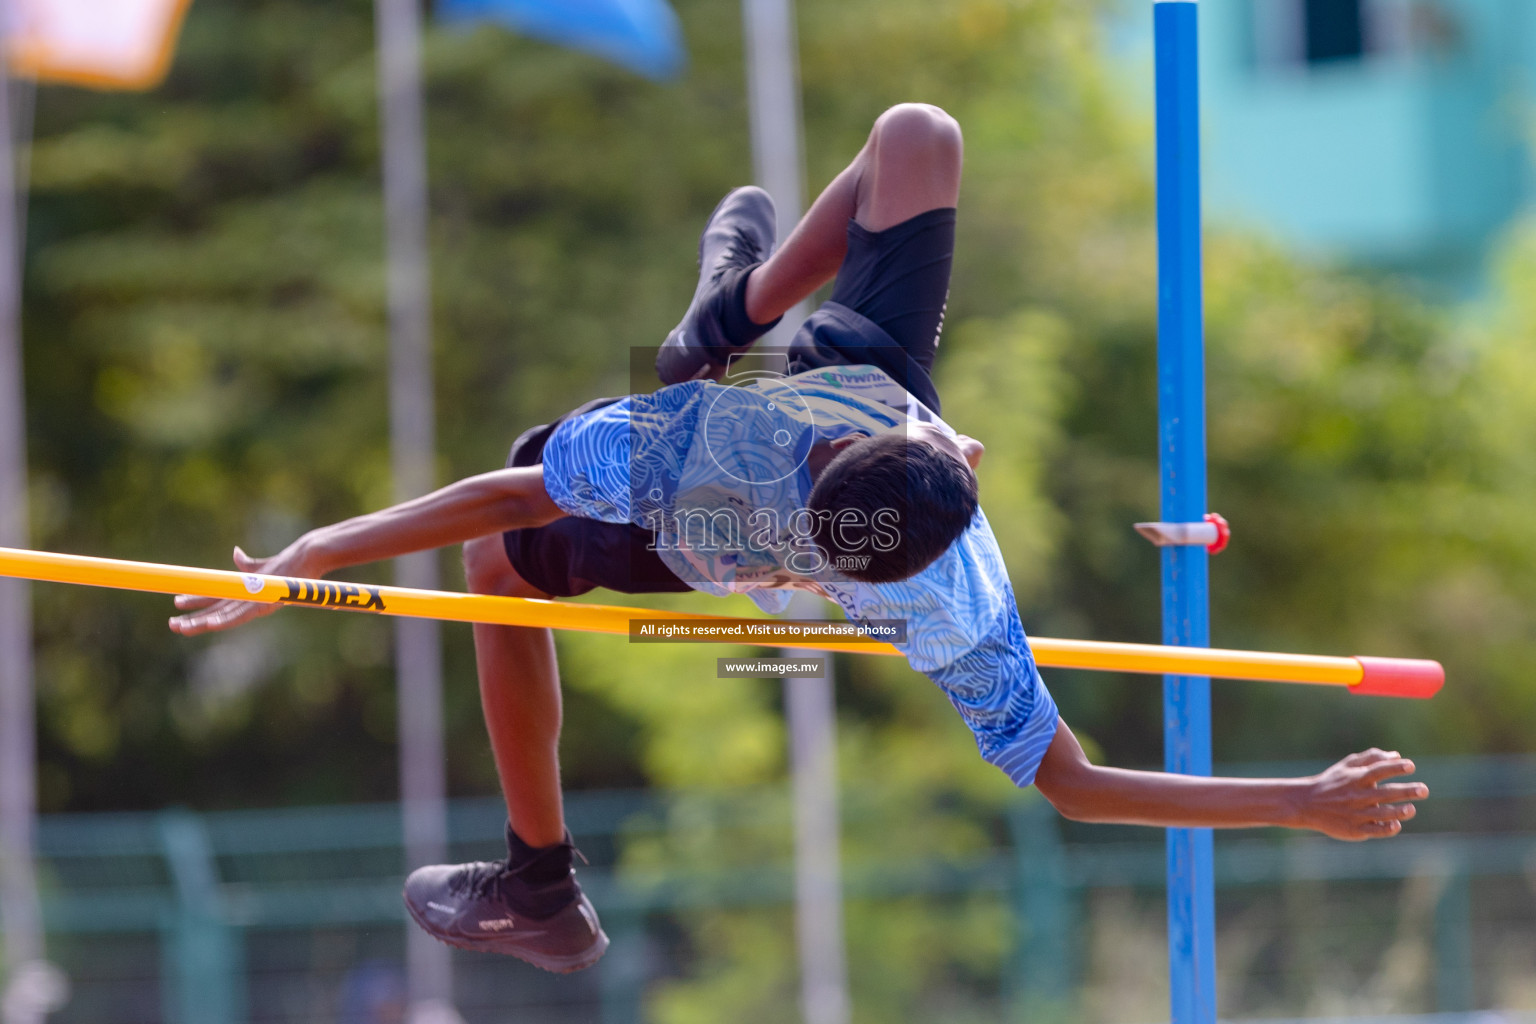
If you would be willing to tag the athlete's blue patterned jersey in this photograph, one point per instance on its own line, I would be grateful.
(701, 456)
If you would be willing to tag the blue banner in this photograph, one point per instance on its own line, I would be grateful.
(642, 35)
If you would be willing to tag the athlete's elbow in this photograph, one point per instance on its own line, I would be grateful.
(1067, 779)
(1069, 796)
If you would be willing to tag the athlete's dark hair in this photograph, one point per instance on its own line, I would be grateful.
(887, 506)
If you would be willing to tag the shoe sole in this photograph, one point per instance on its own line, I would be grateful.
(555, 964)
(711, 219)
(699, 260)
(706, 368)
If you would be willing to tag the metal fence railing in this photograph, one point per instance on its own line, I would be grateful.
(248, 917)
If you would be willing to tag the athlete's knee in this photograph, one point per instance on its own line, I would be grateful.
(917, 131)
(488, 571)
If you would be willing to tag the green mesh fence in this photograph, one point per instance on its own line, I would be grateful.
(980, 913)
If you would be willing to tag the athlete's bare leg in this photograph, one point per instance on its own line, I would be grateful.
(910, 164)
(520, 696)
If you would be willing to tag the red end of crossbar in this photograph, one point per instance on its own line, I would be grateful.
(1399, 677)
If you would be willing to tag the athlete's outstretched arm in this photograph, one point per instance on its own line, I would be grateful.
(507, 499)
(1350, 800)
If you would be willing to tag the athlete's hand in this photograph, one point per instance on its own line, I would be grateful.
(210, 614)
(1352, 801)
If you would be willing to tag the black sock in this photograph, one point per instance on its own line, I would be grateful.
(739, 328)
(539, 881)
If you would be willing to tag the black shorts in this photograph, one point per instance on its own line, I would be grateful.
(571, 556)
(887, 305)
(886, 310)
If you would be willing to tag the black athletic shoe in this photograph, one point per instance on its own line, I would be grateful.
(739, 235)
(471, 906)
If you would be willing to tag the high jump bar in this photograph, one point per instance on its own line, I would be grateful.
(1386, 677)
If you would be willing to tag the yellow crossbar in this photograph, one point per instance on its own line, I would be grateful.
(1399, 677)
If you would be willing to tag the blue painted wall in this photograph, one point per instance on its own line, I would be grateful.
(1411, 157)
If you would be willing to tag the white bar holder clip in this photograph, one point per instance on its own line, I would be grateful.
(1213, 533)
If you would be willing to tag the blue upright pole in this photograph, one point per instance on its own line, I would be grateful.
(1181, 455)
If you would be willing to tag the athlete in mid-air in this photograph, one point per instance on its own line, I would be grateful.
(834, 474)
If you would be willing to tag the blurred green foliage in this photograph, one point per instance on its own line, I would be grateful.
(206, 357)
